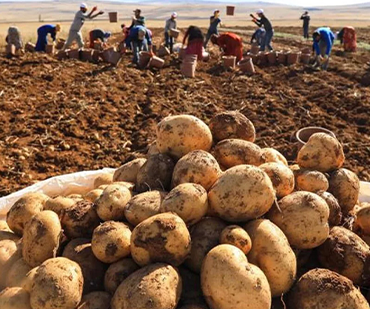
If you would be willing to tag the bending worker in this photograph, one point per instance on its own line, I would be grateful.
(98, 34)
(348, 38)
(323, 39)
(230, 43)
(14, 38)
(195, 39)
(170, 24)
(263, 21)
(139, 38)
(258, 36)
(42, 35)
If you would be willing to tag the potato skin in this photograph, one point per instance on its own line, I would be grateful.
(335, 216)
(27, 281)
(4, 226)
(161, 238)
(155, 286)
(17, 273)
(272, 155)
(242, 193)
(311, 181)
(128, 171)
(363, 219)
(229, 281)
(14, 298)
(272, 253)
(8, 235)
(236, 236)
(59, 204)
(93, 195)
(10, 252)
(181, 134)
(95, 300)
(105, 179)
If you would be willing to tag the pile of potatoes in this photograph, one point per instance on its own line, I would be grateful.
(208, 219)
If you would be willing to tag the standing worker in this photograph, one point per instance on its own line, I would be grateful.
(98, 34)
(170, 24)
(258, 36)
(78, 22)
(230, 43)
(42, 35)
(214, 21)
(323, 39)
(137, 19)
(195, 39)
(306, 24)
(263, 21)
(138, 38)
(348, 38)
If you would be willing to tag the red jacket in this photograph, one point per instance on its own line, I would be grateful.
(231, 44)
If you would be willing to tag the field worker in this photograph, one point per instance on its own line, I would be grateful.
(42, 35)
(230, 43)
(195, 39)
(139, 38)
(323, 39)
(263, 21)
(170, 24)
(98, 34)
(258, 36)
(78, 22)
(348, 38)
(146, 41)
(214, 21)
(137, 19)
(306, 24)
(14, 38)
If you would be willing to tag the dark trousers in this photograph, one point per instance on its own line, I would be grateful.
(168, 41)
(137, 47)
(305, 32)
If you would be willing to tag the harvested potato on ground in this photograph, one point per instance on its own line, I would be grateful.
(363, 219)
(112, 202)
(10, 252)
(41, 238)
(161, 238)
(311, 181)
(93, 271)
(58, 283)
(242, 193)
(143, 206)
(80, 220)
(152, 149)
(229, 281)
(236, 236)
(232, 125)
(23, 210)
(59, 204)
(117, 272)
(8, 235)
(27, 281)
(76, 197)
(303, 217)
(281, 176)
(128, 172)
(335, 216)
(345, 186)
(155, 174)
(95, 300)
(181, 134)
(205, 235)
(272, 155)
(17, 273)
(188, 200)
(191, 288)
(105, 179)
(4, 226)
(156, 286)
(196, 167)
(324, 289)
(272, 253)
(345, 253)
(111, 241)
(93, 195)
(14, 298)
(322, 152)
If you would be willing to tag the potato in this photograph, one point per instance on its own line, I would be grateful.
(128, 172)
(198, 167)
(93, 271)
(105, 179)
(303, 217)
(335, 216)
(27, 281)
(10, 252)
(205, 235)
(58, 283)
(345, 253)
(178, 135)
(311, 181)
(117, 272)
(272, 253)
(232, 152)
(4, 226)
(59, 204)
(23, 210)
(14, 298)
(229, 281)
(156, 173)
(93, 195)
(191, 289)
(8, 235)
(322, 152)
(236, 236)
(17, 273)
(232, 124)
(281, 176)
(76, 197)
(152, 149)
(41, 238)
(345, 186)
(188, 200)
(242, 193)
(272, 155)
(112, 202)
(111, 241)
(324, 289)
(80, 220)
(363, 219)
(143, 206)
(161, 238)
(95, 300)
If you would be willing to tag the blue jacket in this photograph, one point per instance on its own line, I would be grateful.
(47, 29)
(134, 34)
(325, 35)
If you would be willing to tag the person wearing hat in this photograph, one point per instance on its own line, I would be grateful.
(263, 21)
(258, 36)
(139, 39)
(323, 40)
(98, 34)
(42, 35)
(195, 41)
(348, 38)
(230, 43)
(137, 19)
(306, 24)
(170, 24)
(79, 20)
(214, 21)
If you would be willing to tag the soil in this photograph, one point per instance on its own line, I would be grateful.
(58, 117)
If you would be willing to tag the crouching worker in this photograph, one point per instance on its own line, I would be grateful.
(230, 43)
(14, 38)
(140, 40)
(323, 39)
(348, 38)
(98, 34)
(42, 36)
(195, 39)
